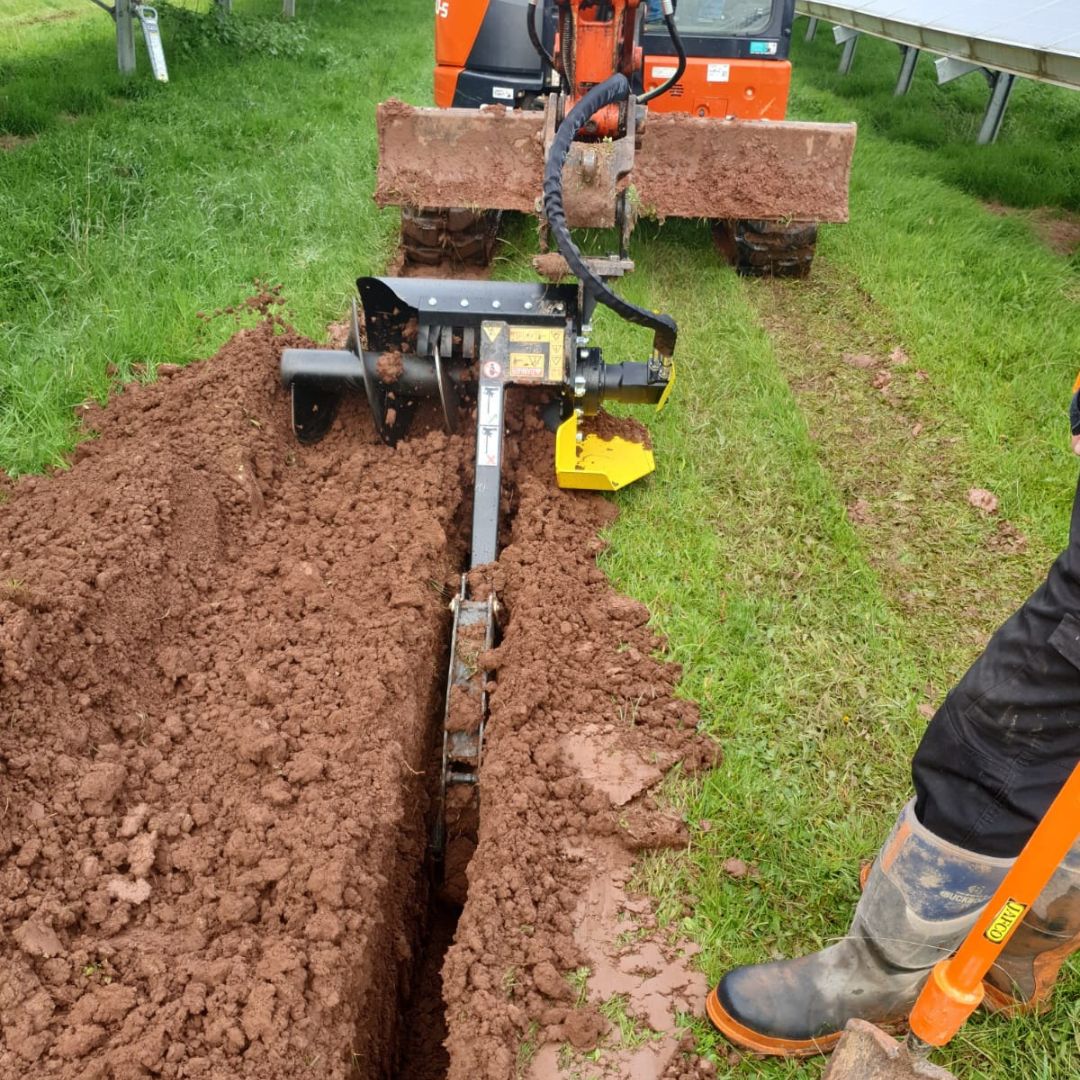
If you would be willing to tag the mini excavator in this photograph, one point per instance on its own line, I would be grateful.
(462, 343)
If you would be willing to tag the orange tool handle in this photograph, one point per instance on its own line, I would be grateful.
(954, 990)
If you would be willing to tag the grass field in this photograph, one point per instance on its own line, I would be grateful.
(807, 544)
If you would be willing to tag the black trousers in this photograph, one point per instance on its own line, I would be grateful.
(1008, 735)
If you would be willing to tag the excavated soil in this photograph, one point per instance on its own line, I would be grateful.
(220, 663)
(221, 666)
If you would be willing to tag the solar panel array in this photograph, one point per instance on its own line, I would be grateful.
(1037, 39)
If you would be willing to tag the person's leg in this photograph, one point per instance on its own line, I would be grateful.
(991, 761)
(1008, 735)
(922, 896)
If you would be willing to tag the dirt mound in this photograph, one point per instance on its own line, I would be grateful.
(221, 668)
(219, 660)
(584, 726)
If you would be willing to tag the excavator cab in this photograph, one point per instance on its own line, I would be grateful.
(736, 56)
(484, 57)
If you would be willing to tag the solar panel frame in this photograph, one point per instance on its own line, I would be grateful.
(1038, 40)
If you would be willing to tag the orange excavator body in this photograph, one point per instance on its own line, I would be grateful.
(750, 89)
(715, 83)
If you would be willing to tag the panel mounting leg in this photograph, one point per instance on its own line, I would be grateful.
(1001, 84)
(125, 37)
(910, 57)
(811, 28)
(849, 38)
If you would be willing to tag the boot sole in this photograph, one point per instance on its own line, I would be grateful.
(748, 1039)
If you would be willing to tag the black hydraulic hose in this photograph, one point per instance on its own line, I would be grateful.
(534, 37)
(673, 33)
(616, 88)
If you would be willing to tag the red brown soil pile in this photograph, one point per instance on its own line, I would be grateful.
(219, 658)
(584, 724)
(551, 266)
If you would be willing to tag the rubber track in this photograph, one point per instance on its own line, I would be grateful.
(767, 248)
(464, 237)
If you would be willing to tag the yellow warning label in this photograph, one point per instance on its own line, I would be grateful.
(540, 353)
(493, 330)
(1002, 926)
(527, 365)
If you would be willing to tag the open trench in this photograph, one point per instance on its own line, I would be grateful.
(222, 664)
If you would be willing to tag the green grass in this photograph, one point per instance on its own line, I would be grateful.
(932, 130)
(123, 221)
(809, 640)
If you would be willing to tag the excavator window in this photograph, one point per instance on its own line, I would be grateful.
(718, 18)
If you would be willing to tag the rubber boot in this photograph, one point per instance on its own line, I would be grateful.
(922, 896)
(1023, 979)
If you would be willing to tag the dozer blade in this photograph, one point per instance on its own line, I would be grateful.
(687, 166)
(690, 166)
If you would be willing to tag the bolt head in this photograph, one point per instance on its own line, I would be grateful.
(496, 304)
(432, 301)
(528, 305)
(464, 303)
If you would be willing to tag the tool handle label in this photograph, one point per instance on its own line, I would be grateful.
(1005, 922)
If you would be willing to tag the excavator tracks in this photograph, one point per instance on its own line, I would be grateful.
(463, 237)
(767, 248)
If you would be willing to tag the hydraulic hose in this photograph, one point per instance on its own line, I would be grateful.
(616, 88)
(534, 37)
(673, 33)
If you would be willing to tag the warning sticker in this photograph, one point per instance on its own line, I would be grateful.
(492, 369)
(718, 73)
(537, 354)
(528, 365)
(489, 428)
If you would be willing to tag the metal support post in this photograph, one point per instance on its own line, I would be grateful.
(288, 9)
(910, 57)
(849, 38)
(226, 6)
(1001, 84)
(811, 28)
(125, 36)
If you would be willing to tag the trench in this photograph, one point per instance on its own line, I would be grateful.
(419, 1053)
(441, 893)
(421, 1030)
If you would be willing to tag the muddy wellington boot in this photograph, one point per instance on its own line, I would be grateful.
(1023, 978)
(922, 896)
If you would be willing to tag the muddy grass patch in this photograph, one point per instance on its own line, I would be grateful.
(1058, 229)
(942, 556)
